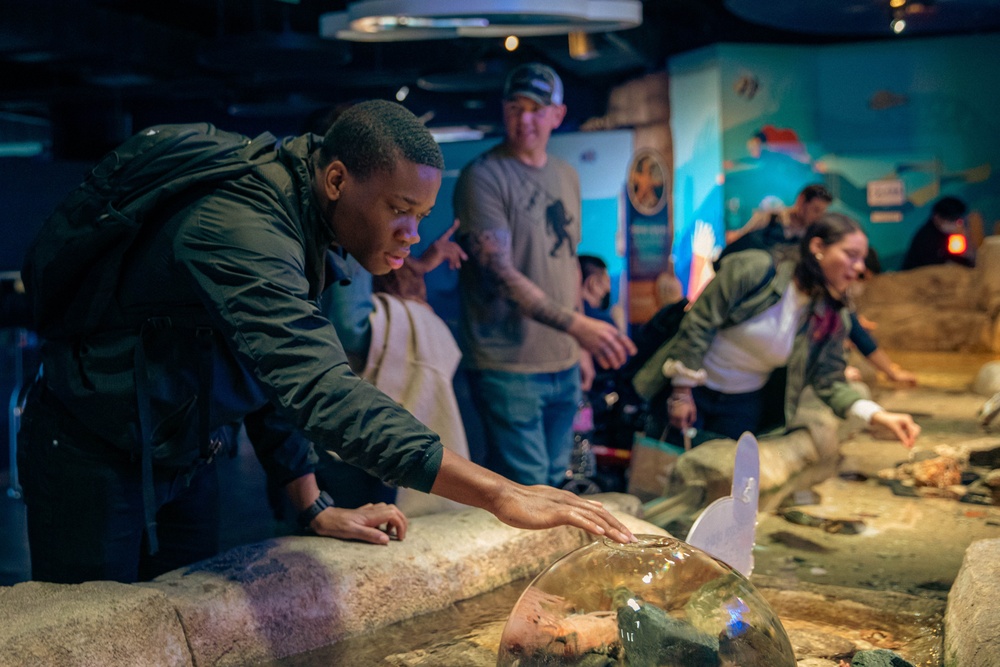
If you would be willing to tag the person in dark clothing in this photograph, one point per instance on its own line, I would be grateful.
(349, 305)
(595, 288)
(249, 258)
(350, 308)
(930, 245)
(784, 227)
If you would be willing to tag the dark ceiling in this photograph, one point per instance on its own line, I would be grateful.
(81, 74)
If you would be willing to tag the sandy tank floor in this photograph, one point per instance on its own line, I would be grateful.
(910, 545)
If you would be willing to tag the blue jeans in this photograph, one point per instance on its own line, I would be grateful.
(528, 420)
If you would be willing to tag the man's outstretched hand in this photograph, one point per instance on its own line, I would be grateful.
(523, 506)
(547, 507)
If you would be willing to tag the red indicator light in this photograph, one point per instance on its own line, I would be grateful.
(957, 244)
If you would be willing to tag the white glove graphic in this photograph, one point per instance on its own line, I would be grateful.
(703, 239)
(703, 253)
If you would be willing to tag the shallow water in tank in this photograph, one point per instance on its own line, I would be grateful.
(468, 633)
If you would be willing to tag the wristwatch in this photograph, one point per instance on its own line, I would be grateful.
(308, 514)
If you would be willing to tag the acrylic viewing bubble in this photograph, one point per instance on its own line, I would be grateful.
(659, 602)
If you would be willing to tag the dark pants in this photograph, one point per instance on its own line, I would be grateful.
(728, 415)
(85, 511)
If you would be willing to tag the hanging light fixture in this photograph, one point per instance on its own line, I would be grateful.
(581, 46)
(400, 20)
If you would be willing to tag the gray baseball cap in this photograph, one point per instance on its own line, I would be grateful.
(535, 81)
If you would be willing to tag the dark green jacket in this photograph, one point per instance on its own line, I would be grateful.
(734, 296)
(249, 259)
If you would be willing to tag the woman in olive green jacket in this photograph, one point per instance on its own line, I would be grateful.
(754, 318)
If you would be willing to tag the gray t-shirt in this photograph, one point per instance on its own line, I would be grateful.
(541, 209)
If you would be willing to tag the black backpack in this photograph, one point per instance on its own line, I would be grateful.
(72, 268)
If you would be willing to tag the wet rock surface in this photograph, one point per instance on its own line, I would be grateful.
(907, 544)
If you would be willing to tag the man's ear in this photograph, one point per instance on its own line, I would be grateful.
(334, 175)
(560, 115)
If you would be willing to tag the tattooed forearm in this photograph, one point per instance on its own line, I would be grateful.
(491, 250)
(548, 312)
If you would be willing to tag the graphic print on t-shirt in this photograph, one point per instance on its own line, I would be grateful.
(556, 222)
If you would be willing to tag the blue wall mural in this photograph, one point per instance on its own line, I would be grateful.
(923, 111)
(917, 112)
(695, 111)
(768, 127)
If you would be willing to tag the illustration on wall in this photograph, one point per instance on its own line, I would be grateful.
(746, 85)
(851, 118)
(704, 252)
(782, 140)
(776, 165)
(646, 182)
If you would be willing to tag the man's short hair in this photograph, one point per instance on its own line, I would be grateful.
(949, 208)
(535, 81)
(815, 191)
(591, 264)
(372, 136)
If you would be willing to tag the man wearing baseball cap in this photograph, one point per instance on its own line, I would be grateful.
(522, 327)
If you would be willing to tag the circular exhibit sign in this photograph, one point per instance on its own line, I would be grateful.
(647, 182)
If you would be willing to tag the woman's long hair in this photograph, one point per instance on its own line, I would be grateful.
(829, 229)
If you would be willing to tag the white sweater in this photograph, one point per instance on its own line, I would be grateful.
(742, 357)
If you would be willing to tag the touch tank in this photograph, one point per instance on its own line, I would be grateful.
(659, 602)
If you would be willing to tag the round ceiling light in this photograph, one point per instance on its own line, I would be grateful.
(408, 20)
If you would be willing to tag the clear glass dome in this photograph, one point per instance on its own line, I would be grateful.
(657, 603)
